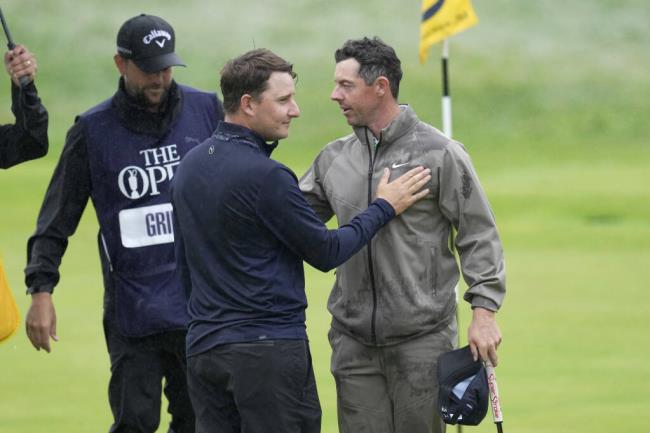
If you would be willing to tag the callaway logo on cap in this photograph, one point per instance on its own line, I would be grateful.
(157, 36)
(148, 41)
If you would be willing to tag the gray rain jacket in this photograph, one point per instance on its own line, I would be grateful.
(402, 284)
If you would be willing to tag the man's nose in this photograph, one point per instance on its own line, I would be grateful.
(336, 94)
(294, 110)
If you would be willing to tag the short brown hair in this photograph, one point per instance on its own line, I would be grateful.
(249, 74)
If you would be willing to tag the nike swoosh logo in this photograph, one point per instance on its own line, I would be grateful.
(396, 165)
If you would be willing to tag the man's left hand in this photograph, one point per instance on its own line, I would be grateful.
(484, 335)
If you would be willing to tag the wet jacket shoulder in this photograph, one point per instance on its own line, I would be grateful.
(27, 138)
(414, 268)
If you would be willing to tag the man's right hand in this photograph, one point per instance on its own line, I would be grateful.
(405, 190)
(41, 321)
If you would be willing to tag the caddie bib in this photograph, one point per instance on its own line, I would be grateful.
(130, 176)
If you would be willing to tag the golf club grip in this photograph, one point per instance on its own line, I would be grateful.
(24, 81)
(495, 401)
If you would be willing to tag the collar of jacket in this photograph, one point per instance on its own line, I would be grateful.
(135, 117)
(227, 131)
(395, 130)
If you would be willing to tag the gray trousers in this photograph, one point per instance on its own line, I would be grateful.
(389, 389)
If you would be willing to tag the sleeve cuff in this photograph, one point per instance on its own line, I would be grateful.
(29, 94)
(385, 206)
(40, 289)
(481, 302)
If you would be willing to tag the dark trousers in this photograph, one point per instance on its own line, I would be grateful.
(138, 368)
(257, 387)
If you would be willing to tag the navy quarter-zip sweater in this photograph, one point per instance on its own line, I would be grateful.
(242, 231)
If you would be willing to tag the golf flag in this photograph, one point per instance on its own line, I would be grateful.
(441, 19)
(9, 316)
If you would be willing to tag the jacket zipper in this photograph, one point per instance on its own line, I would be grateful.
(371, 169)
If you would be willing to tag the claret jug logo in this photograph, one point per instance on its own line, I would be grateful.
(158, 36)
(159, 165)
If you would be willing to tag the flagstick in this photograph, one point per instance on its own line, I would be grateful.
(446, 97)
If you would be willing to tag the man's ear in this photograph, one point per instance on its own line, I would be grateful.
(382, 86)
(246, 104)
(120, 62)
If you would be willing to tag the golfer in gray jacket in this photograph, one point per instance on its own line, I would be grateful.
(393, 303)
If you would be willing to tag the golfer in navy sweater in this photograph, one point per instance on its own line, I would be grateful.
(243, 229)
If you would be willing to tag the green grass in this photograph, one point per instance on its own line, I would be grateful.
(551, 101)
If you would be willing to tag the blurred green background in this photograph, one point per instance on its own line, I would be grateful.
(550, 98)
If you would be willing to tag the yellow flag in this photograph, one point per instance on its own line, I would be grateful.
(9, 316)
(441, 19)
